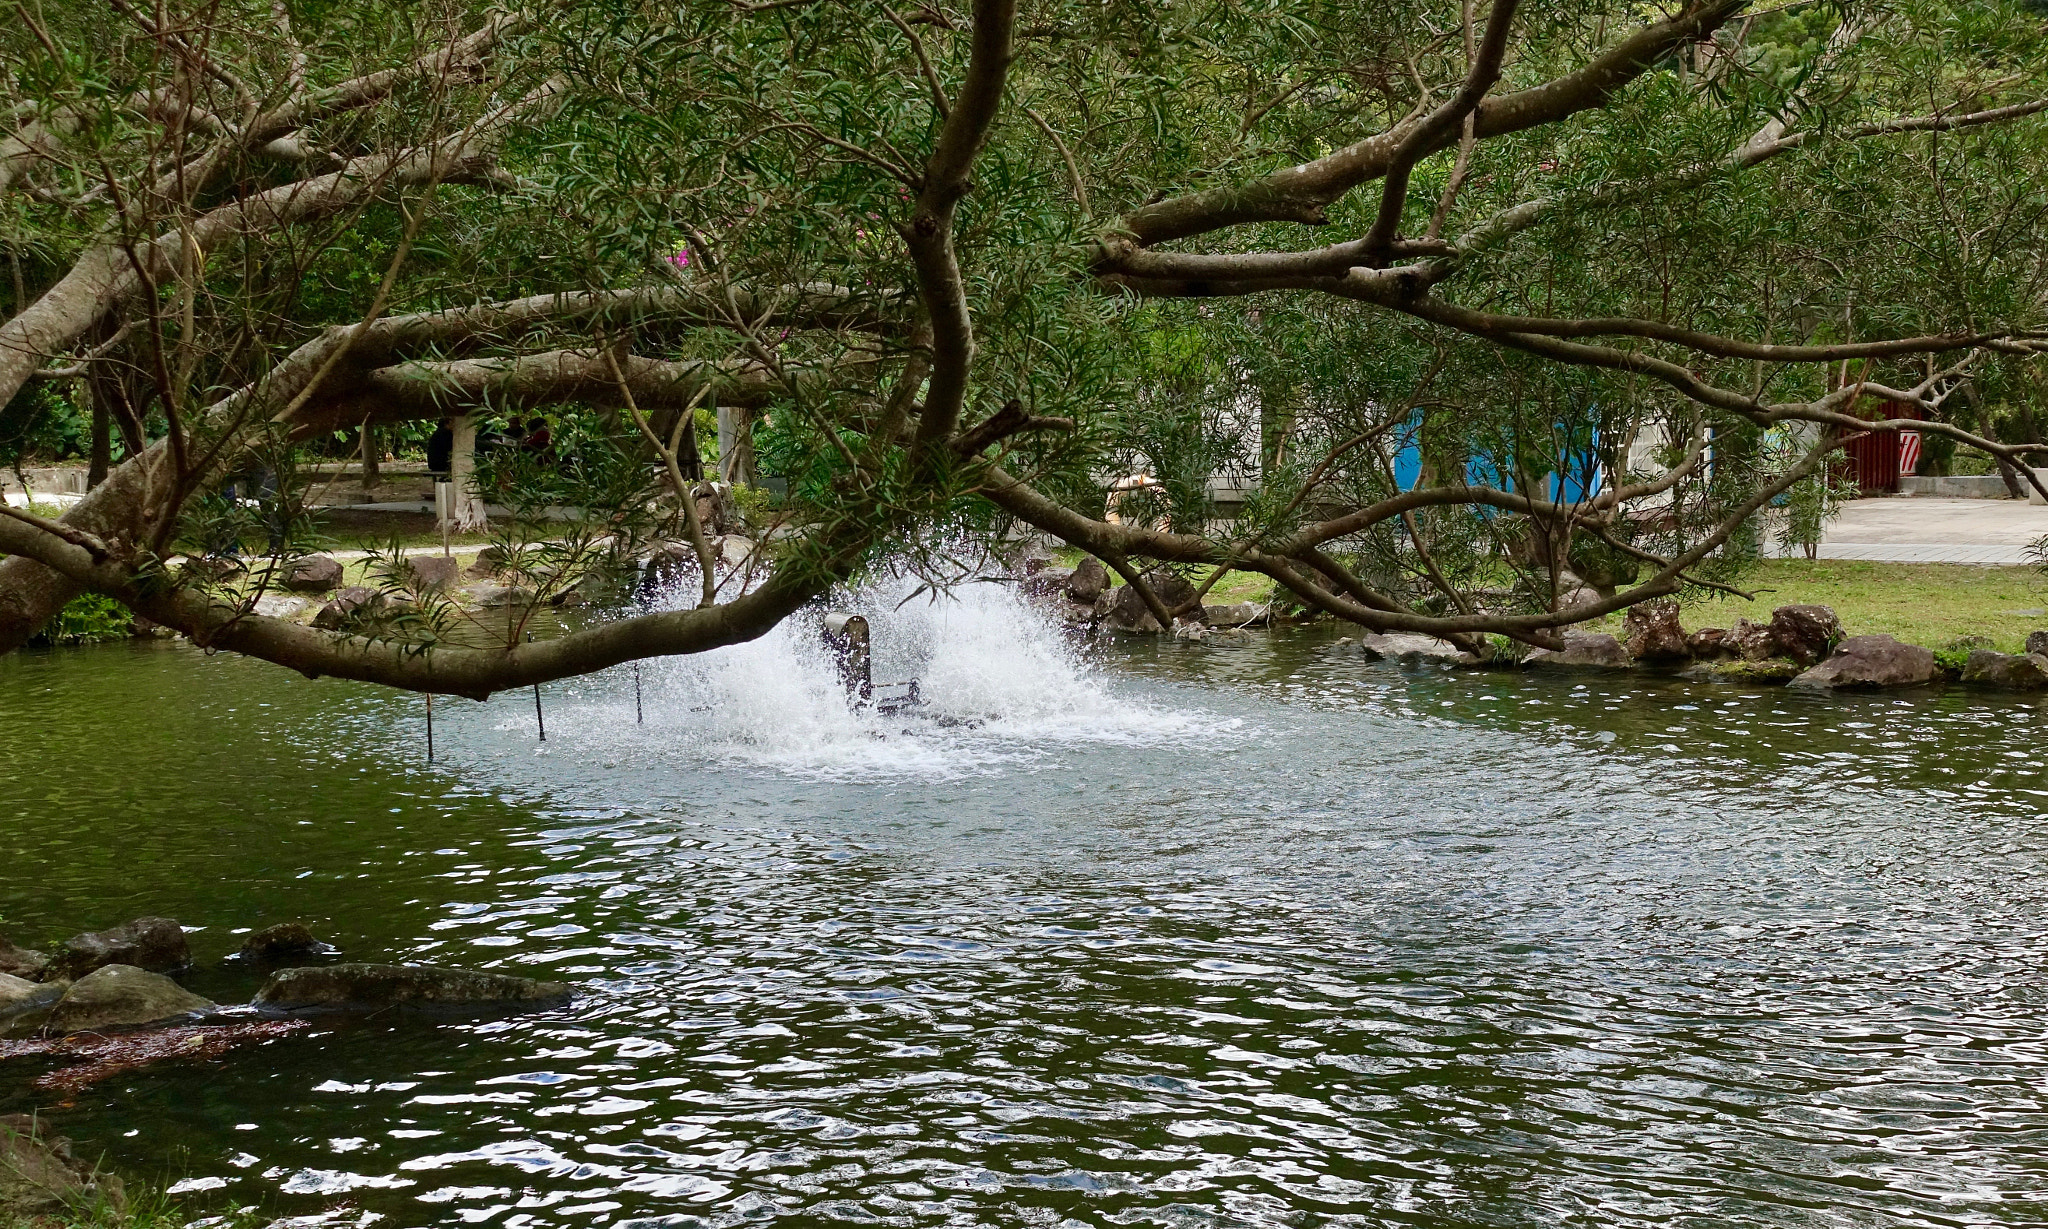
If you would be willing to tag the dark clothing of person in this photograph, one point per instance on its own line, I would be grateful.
(441, 452)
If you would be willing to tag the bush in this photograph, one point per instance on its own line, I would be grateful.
(87, 619)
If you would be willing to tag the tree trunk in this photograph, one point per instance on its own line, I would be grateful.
(102, 444)
(373, 454)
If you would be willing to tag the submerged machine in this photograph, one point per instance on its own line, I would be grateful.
(846, 635)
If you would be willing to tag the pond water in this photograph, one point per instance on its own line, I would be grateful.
(1164, 934)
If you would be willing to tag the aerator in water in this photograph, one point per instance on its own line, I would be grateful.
(846, 635)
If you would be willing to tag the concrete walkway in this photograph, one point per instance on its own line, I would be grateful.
(1923, 529)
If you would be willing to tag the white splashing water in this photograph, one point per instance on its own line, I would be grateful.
(1003, 686)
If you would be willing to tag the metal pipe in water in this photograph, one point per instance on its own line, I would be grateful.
(846, 634)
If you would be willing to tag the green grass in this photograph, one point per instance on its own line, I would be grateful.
(1931, 604)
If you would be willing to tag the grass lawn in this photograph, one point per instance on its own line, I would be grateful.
(1931, 604)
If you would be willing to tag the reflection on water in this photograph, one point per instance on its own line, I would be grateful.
(1182, 935)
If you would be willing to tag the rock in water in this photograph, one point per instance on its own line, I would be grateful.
(284, 941)
(349, 605)
(1751, 641)
(1871, 661)
(1411, 649)
(1128, 612)
(20, 998)
(120, 995)
(2013, 672)
(40, 1178)
(20, 962)
(1582, 651)
(1090, 578)
(1709, 644)
(314, 574)
(1652, 633)
(153, 943)
(1806, 634)
(368, 987)
(1235, 614)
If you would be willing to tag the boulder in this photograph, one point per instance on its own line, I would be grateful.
(282, 942)
(733, 550)
(1088, 581)
(20, 962)
(314, 574)
(1128, 612)
(432, 571)
(122, 996)
(153, 943)
(1772, 672)
(1045, 584)
(349, 605)
(281, 606)
(2010, 671)
(489, 562)
(1806, 634)
(1751, 641)
(1651, 633)
(18, 996)
(370, 987)
(1235, 614)
(1710, 644)
(1409, 649)
(2037, 642)
(42, 1183)
(1582, 651)
(1871, 661)
(491, 596)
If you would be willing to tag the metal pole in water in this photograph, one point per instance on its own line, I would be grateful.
(538, 719)
(639, 717)
(430, 727)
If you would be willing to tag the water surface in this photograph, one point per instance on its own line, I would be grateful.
(1159, 935)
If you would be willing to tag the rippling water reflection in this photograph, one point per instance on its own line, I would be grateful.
(1196, 936)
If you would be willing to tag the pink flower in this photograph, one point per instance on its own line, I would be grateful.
(680, 258)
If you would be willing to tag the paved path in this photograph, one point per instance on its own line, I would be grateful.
(1924, 529)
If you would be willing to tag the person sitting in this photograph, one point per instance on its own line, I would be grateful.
(539, 440)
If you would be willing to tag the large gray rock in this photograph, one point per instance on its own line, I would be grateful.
(2009, 671)
(1235, 614)
(284, 941)
(1871, 661)
(314, 574)
(1751, 641)
(19, 997)
(122, 996)
(1128, 612)
(42, 1183)
(369, 987)
(20, 962)
(1806, 634)
(433, 571)
(1405, 649)
(1772, 672)
(2037, 642)
(1651, 633)
(347, 607)
(153, 943)
(1582, 651)
(1090, 578)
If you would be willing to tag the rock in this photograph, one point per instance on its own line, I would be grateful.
(1577, 595)
(42, 1183)
(1772, 672)
(1409, 649)
(156, 944)
(1235, 614)
(1582, 651)
(314, 574)
(119, 996)
(1969, 644)
(368, 987)
(489, 562)
(347, 607)
(1751, 641)
(2037, 642)
(1088, 581)
(1871, 661)
(284, 941)
(281, 606)
(432, 571)
(491, 596)
(1046, 584)
(2010, 671)
(19, 996)
(1806, 634)
(1652, 633)
(733, 550)
(20, 962)
(1710, 644)
(1128, 612)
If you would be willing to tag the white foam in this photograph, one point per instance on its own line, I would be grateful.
(1003, 687)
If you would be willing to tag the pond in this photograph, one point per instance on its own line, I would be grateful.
(1153, 934)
